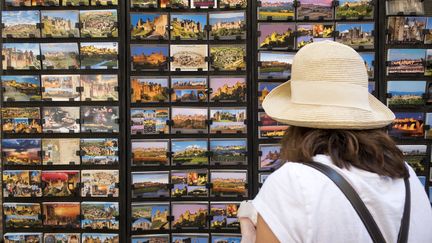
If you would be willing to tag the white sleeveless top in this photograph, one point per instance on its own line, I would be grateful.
(300, 204)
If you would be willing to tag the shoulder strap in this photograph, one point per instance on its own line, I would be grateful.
(361, 208)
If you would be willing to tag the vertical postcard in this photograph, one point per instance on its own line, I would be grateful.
(224, 88)
(407, 125)
(147, 89)
(99, 87)
(60, 183)
(21, 56)
(99, 183)
(428, 68)
(262, 177)
(189, 89)
(356, 35)
(60, 55)
(189, 57)
(190, 183)
(149, 26)
(61, 119)
(149, 57)
(270, 156)
(100, 119)
(99, 237)
(227, 57)
(415, 156)
(150, 216)
(406, 61)
(60, 87)
(276, 36)
(99, 23)
(405, 7)
(355, 9)
(406, 30)
(99, 151)
(149, 152)
(61, 151)
(270, 128)
(229, 183)
(402, 93)
(228, 120)
(189, 152)
(150, 184)
(60, 24)
(21, 120)
(22, 215)
(26, 151)
(189, 120)
(304, 35)
(371, 87)
(428, 130)
(21, 88)
(149, 120)
(227, 25)
(264, 89)
(61, 214)
(20, 24)
(224, 215)
(369, 60)
(22, 183)
(226, 151)
(276, 10)
(274, 65)
(428, 34)
(100, 215)
(188, 26)
(99, 55)
(315, 9)
(189, 215)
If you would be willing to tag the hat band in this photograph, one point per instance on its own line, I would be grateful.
(330, 94)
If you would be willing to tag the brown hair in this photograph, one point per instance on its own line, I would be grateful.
(370, 150)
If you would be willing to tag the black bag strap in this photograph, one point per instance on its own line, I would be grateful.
(361, 208)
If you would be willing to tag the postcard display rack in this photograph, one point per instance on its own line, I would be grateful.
(62, 137)
(188, 122)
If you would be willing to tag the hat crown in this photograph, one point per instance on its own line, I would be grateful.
(329, 61)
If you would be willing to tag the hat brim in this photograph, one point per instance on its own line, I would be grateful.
(279, 106)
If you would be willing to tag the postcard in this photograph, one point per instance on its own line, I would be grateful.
(60, 24)
(62, 237)
(62, 183)
(415, 156)
(61, 214)
(264, 89)
(61, 119)
(21, 88)
(21, 56)
(405, 7)
(20, 24)
(406, 30)
(189, 89)
(21, 120)
(189, 152)
(405, 93)
(203, 3)
(150, 184)
(322, 32)
(228, 57)
(46, 3)
(61, 151)
(189, 57)
(159, 238)
(99, 183)
(315, 9)
(369, 60)
(232, 3)
(99, 237)
(356, 35)
(227, 25)
(150, 216)
(276, 36)
(228, 151)
(99, 151)
(228, 88)
(224, 215)
(189, 119)
(149, 57)
(188, 26)
(428, 68)
(149, 152)
(189, 183)
(104, 2)
(22, 237)
(406, 61)
(99, 87)
(174, 4)
(100, 215)
(99, 23)
(70, 3)
(229, 183)
(428, 130)
(228, 120)
(99, 119)
(60, 55)
(143, 3)
(189, 215)
(196, 238)
(21, 151)
(149, 120)
(22, 215)
(407, 125)
(60, 87)
(149, 26)
(220, 238)
(355, 9)
(270, 156)
(276, 10)
(428, 34)
(149, 89)
(371, 87)
(304, 35)
(263, 176)
(275, 65)
(270, 128)
(99, 55)
(19, 3)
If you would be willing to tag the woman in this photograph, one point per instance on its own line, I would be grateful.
(336, 124)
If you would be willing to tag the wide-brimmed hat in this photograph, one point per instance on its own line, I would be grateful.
(328, 90)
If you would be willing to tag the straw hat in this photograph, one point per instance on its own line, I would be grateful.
(328, 90)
